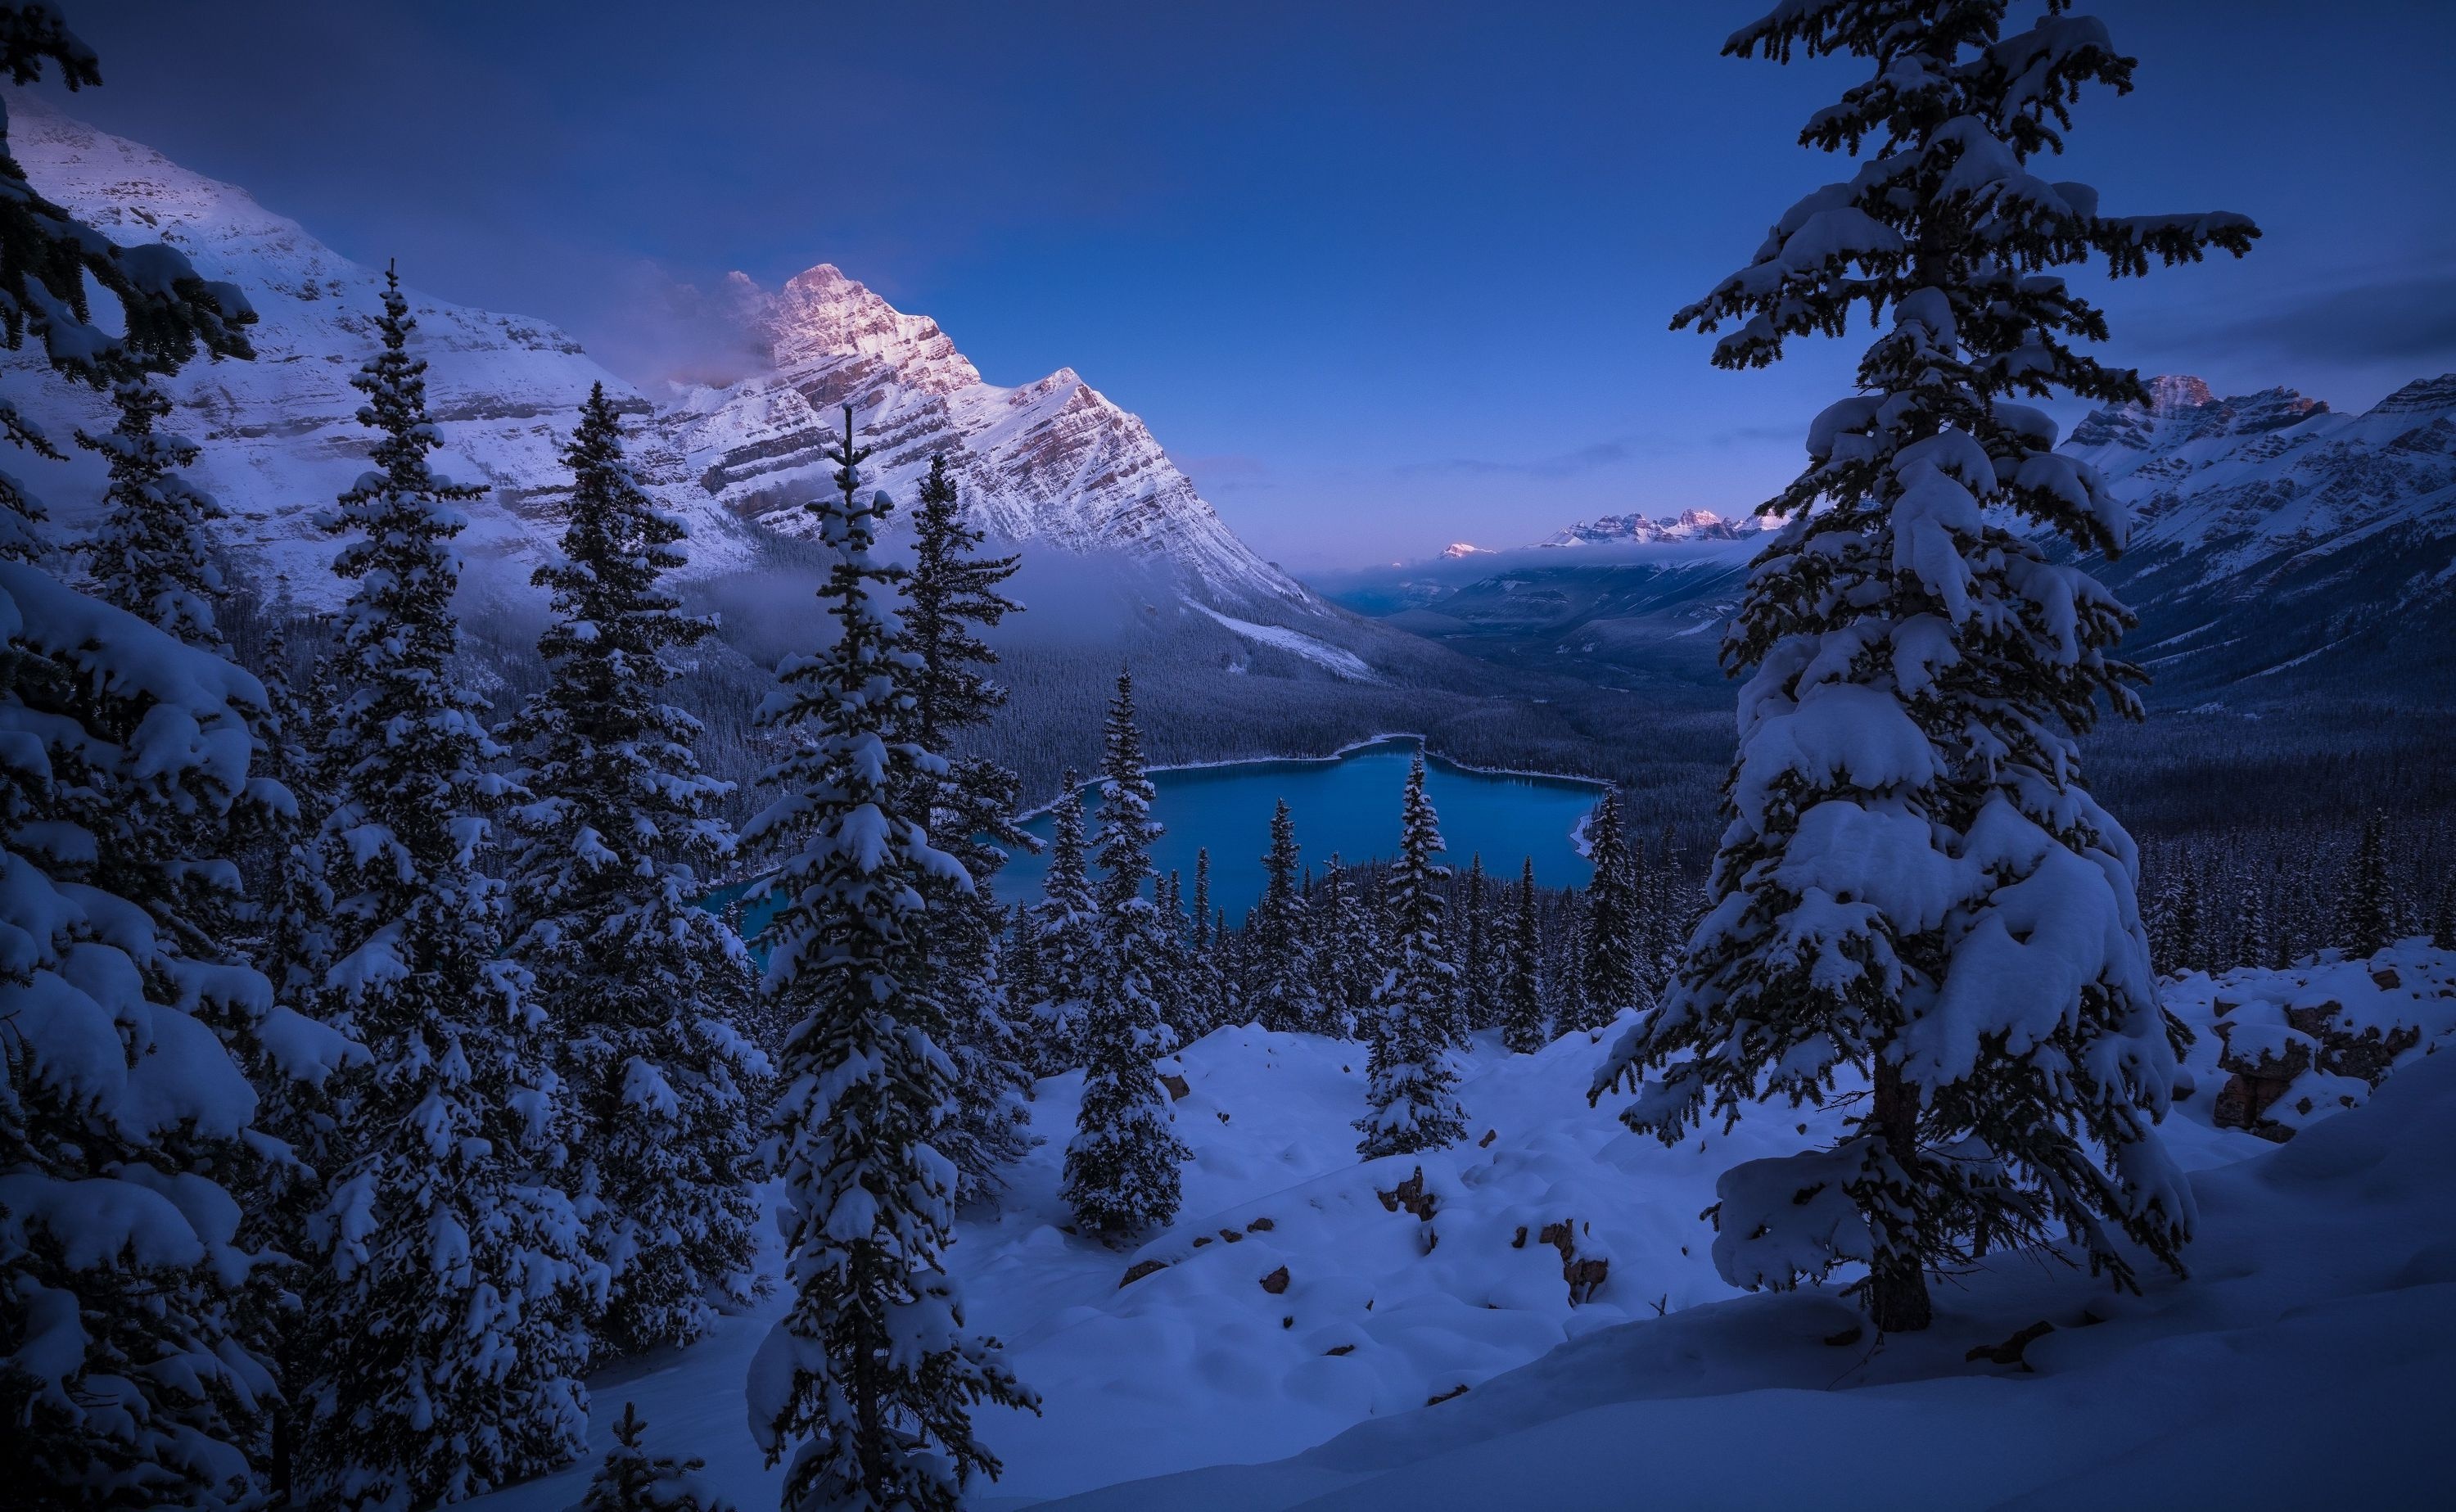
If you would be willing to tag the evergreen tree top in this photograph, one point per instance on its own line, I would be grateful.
(1126, 828)
(1945, 226)
(953, 590)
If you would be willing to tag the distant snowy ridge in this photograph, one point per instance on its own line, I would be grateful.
(1689, 525)
(1346, 663)
(2275, 466)
(1052, 461)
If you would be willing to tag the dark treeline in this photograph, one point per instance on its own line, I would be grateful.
(1317, 952)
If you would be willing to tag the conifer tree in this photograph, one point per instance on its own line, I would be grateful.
(288, 913)
(1280, 990)
(1609, 962)
(132, 1360)
(1346, 954)
(954, 593)
(632, 1479)
(1204, 983)
(1913, 886)
(1121, 1167)
(449, 1319)
(1665, 917)
(1065, 943)
(1412, 1079)
(2250, 925)
(870, 1378)
(1521, 990)
(1479, 979)
(1564, 969)
(2370, 916)
(643, 989)
(153, 555)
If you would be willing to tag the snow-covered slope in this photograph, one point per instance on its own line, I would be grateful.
(2301, 1365)
(1556, 1265)
(1052, 462)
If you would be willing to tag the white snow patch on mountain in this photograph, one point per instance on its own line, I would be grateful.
(1346, 663)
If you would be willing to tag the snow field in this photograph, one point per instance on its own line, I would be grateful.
(2322, 1284)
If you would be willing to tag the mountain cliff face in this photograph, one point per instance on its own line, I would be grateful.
(2280, 544)
(1052, 462)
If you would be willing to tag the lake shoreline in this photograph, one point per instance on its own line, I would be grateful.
(1353, 746)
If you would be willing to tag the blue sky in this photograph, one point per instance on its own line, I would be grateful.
(1381, 277)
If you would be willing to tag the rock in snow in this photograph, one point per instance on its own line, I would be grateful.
(1561, 1272)
(1051, 462)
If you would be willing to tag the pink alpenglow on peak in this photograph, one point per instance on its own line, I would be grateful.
(821, 315)
(1689, 525)
(1053, 463)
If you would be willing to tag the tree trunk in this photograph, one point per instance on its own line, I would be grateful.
(1897, 1300)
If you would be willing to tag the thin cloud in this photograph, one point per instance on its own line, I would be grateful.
(1566, 464)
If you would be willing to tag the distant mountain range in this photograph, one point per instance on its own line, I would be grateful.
(1621, 530)
(1051, 462)
(2280, 547)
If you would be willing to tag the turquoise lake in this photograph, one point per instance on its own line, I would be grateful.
(1347, 804)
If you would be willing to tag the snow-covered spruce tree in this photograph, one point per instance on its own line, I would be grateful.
(2251, 944)
(286, 916)
(1346, 954)
(1280, 991)
(868, 1380)
(152, 554)
(1610, 979)
(2368, 923)
(1478, 963)
(1522, 989)
(641, 988)
(1412, 1080)
(448, 1325)
(1913, 885)
(1180, 1012)
(954, 592)
(632, 1479)
(1064, 938)
(1121, 1166)
(1667, 908)
(1204, 983)
(132, 1362)
(1564, 971)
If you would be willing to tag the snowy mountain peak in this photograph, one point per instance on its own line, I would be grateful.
(1053, 462)
(1689, 525)
(821, 313)
(2172, 391)
(2182, 409)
